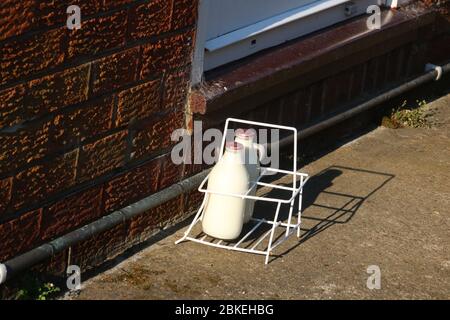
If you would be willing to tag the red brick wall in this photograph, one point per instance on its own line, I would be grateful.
(86, 117)
(442, 5)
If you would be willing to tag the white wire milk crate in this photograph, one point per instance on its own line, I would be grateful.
(293, 222)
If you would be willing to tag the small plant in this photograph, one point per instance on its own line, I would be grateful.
(48, 290)
(405, 116)
(33, 288)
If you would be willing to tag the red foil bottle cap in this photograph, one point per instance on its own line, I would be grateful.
(245, 134)
(234, 146)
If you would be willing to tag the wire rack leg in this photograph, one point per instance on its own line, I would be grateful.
(300, 201)
(291, 210)
(274, 226)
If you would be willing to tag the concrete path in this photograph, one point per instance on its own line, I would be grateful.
(381, 200)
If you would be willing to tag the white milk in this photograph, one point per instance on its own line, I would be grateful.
(224, 215)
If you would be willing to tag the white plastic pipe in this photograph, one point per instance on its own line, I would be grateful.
(3, 273)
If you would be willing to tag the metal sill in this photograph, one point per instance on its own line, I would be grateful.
(280, 28)
(270, 24)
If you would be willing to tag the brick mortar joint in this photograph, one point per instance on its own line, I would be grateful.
(77, 62)
(85, 186)
(124, 215)
(56, 26)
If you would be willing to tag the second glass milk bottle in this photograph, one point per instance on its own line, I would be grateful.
(252, 162)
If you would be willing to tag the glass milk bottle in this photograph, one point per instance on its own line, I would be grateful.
(248, 139)
(224, 215)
